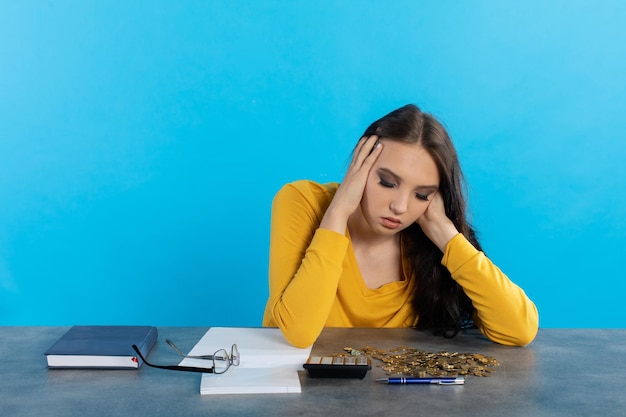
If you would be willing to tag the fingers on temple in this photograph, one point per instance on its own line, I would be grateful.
(366, 146)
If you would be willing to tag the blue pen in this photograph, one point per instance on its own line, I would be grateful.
(434, 380)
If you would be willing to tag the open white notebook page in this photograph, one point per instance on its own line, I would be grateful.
(269, 364)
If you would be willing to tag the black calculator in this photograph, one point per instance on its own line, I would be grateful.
(338, 366)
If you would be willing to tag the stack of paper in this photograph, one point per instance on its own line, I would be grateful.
(269, 364)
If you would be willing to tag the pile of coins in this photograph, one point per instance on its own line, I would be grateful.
(411, 362)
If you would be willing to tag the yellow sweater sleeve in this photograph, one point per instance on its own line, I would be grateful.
(503, 311)
(305, 264)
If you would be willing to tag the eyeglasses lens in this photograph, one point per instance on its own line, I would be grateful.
(234, 356)
(220, 361)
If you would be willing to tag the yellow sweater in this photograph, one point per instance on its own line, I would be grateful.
(314, 279)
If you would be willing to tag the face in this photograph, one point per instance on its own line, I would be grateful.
(399, 187)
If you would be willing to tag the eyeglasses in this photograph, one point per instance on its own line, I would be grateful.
(221, 359)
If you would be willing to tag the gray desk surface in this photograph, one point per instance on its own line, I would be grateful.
(564, 372)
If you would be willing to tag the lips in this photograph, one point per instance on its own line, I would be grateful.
(390, 222)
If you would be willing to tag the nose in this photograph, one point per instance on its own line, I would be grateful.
(399, 204)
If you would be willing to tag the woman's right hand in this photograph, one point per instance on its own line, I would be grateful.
(350, 192)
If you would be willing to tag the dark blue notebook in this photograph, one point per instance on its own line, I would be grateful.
(101, 347)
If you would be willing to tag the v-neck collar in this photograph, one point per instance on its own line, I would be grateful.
(386, 288)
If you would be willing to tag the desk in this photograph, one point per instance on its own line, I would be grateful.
(564, 372)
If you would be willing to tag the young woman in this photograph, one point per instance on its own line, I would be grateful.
(389, 247)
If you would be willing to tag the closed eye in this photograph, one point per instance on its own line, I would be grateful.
(425, 193)
(386, 184)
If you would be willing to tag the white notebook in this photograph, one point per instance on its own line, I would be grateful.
(269, 364)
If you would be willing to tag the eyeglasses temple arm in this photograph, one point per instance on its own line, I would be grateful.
(180, 352)
(173, 367)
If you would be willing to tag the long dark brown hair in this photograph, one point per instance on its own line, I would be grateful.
(440, 304)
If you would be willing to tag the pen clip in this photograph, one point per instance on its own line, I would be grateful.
(455, 382)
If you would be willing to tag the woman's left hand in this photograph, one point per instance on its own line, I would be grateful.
(435, 224)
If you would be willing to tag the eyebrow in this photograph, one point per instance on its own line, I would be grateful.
(399, 179)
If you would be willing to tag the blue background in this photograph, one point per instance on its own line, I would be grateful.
(141, 144)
